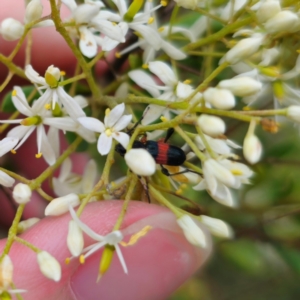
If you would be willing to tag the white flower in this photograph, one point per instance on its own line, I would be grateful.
(26, 224)
(211, 125)
(6, 180)
(252, 147)
(188, 4)
(192, 231)
(37, 117)
(220, 98)
(49, 266)
(283, 21)
(244, 49)
(33, 11)
(241, 86)
(217, 227)
(11, 29)
(221, 175)
(22, 193)
(140, 162)
(112, 239)
(59, 206)
(293, 112)
(7, 144)
(54, 93)
(114, 122)
(220, 146)
(267, 10)
(172, 89)
(75, 240)
(68, 182)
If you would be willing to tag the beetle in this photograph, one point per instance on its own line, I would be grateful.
(162, 152)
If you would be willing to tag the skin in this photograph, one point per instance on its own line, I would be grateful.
(158, 264)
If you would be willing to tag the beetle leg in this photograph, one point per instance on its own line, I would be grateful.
(169, 134)
(167, 173)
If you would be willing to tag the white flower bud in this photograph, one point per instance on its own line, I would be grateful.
(6, 273)
(244, 49)
(252, 147)
(267, 10)
(34, 11)
(75, 239)
(217, 227)
(11, 29)
(293, 112)
(140, 162)
(219, 98)
(61, 205)
(241, 86)
(283, 21)
(49, 266)
(26, 224)
(192, 231)
(188, 4)
(22, 193)
(54, 71)
(6, 180)
(211, 125)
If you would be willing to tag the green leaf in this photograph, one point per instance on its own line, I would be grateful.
(290, 256)
(7, 104)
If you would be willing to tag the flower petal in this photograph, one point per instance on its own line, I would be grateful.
(6, 180)
(92, 124)
(7, 144)
(122, 123)
(114, 115)
(104, 144)
(163, 72)
(122, 138)
(153, 112)
(87, 43)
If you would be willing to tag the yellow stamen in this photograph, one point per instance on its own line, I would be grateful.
(164, 3)
(150, 20)
(135, 237)
(236, 172)
(161, 29)
(183, 186)
(47, 106)
(163, 119)
(145, 66)
(67, 260)
(62, 73)
(81, 259)
(13, 151)
(108, 132)
(39, 155)
(187, 81)
(247, 108)
(107, 112)
(117, 55)
(14, 93)
(179, 192)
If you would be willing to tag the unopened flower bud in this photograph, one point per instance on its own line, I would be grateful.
(61, 205)
(34, 11)
(49, 266)
(188, 4)
(283, 21)
(75, 239)
(241, 86)
(22, 193)
(267, 10)
(52, 76)
(252, 147)
(192, 231)
(244, 49)
(211, 125)
(293, 112)
(219, 98)
(140, 162)
(217, 227)
(11, 29)
(26, 224)
(6, 273)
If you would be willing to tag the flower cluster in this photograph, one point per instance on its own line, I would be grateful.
(243, 76)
